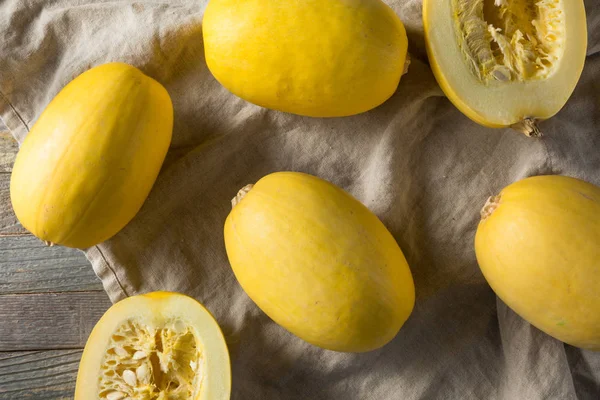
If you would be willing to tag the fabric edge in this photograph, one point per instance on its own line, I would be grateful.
(11, 118)
(106, 274)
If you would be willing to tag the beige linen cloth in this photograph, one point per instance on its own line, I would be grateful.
(416, 162)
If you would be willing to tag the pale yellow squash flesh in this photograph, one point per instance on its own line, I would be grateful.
(320, 58)
(506, 62)
(538, 246)
(90, 160)
(155, 346)
(319, 263)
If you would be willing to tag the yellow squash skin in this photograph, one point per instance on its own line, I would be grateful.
(320, 58)
(538, 246)
(90, 160)
(319, 263)
(156, 310)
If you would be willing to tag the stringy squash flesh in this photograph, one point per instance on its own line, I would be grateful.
(157, 346)
(506, 62)
(508, 41)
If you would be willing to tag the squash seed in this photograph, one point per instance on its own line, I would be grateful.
(129, 377)
(115, 396)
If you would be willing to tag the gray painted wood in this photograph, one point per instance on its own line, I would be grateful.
(38, 374)
(9, 225)
(8, 151)
(49, 321)
(29, 266)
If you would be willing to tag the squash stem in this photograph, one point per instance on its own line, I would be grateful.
(528, 126)
(490, 206)
(406, 64)
(240, 195)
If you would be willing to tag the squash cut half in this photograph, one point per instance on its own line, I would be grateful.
(159, 345)
(506, 62)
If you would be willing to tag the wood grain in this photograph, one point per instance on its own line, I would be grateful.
(9, 225)
(29, 266)
(49, 321)
(8, 151)
(38, 374)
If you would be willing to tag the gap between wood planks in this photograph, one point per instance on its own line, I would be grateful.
(51, 292)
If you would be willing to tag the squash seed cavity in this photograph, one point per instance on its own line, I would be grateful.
(144, 363)
(510, 40)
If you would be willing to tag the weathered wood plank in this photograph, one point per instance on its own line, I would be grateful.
(49, 321)
(29, 266)
(9, 225)
(38, 375)
(8, 151)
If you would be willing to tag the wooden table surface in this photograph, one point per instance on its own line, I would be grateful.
(50, 300)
